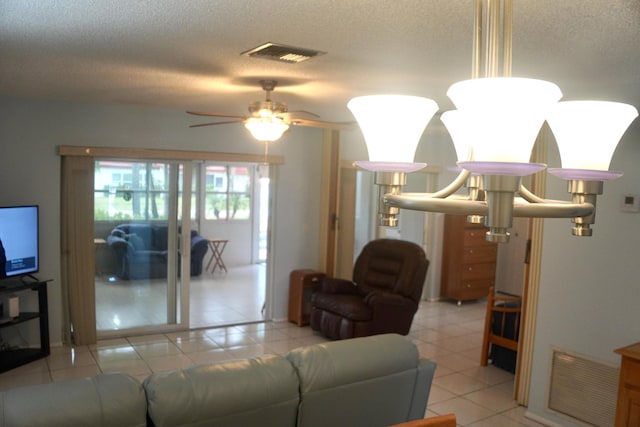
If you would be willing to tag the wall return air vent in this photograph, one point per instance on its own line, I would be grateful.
(583, 388)
(282, 53)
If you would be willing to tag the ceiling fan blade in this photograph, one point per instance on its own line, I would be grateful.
(202, 113)
(299, 114)
(226, 122)
(323, 125)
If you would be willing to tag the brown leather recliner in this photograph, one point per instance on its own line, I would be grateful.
(383, 297)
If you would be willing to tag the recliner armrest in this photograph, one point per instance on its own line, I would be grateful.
(378, 297)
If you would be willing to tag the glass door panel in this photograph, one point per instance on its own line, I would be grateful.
(137, 206)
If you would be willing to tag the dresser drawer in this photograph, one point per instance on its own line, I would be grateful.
(477, 254)
(486, 270)
(475, 289)
(475, 237)
(468, 260)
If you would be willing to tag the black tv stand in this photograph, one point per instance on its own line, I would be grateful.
(12, 358)
(33, 278)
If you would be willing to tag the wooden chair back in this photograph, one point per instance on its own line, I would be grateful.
(503, 305)
(448, 420)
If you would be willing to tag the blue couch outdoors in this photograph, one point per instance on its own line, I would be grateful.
(140, 250)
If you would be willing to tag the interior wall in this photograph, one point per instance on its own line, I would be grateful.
(30, 131)
(589, 294)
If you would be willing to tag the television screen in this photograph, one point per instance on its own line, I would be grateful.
(18, 240)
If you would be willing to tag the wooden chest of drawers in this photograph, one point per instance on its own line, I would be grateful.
(468, 260)
(628, 407)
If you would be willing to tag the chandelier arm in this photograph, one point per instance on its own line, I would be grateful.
(461, 205)
(426, 202)
(530, 197)
(551, 209)
(454, 186)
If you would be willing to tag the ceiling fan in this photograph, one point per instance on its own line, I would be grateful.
(272, 112)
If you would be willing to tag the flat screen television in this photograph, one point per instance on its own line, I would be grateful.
(18, 241)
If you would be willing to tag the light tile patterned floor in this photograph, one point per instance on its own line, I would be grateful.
(448, 334)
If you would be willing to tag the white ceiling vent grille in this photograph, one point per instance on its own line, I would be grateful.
(583, 388)
(282, 53)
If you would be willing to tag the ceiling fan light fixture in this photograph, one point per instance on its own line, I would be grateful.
(267, 108)
(266, 129)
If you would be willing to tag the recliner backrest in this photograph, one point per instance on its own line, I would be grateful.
(393, 265)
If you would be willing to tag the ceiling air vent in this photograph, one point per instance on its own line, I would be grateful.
(282, 53)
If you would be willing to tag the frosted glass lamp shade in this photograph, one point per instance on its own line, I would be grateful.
(505, 115)
(587, 132)
(461, 133)
(266, 129)
(392, 124)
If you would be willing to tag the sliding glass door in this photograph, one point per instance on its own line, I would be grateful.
(141, 209)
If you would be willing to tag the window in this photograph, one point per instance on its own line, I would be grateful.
(227, 192)
(125, 190)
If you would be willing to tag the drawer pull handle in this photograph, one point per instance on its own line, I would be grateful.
(470, 268)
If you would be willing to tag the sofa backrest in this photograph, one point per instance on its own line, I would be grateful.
(104, 400)
(253, 392)
(373, 381)
(152, 236)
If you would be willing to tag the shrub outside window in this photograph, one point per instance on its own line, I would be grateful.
(227, 192)
(125, 190)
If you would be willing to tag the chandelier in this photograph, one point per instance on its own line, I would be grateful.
(494, 127)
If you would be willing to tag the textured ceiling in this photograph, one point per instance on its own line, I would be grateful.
(186, 54)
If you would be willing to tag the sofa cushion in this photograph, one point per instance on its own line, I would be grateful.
(101, 401)
(141, 250)
(254, 392)
(372, 381)
(136, 242)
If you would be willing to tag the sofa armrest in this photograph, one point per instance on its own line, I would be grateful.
(119, 245)
(198, 243)
(426, 371)
(107, 399)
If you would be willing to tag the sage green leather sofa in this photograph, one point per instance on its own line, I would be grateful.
(373, 381)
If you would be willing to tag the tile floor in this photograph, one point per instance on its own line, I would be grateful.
(215, 299)
(448, 334)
